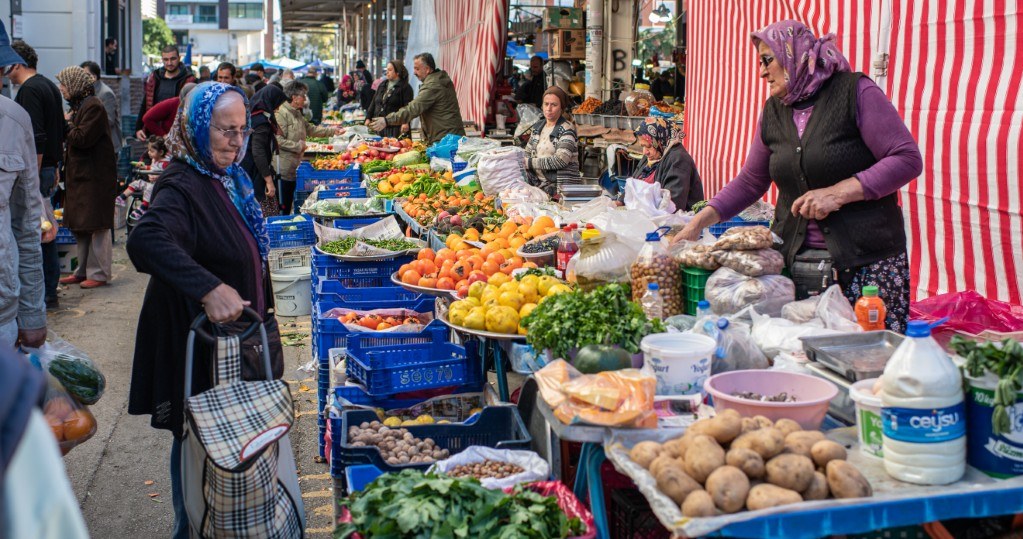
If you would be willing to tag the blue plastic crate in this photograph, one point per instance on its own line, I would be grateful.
(65, 237)
(352, 224)
(331, 333)
(358, 396)
(300, 197)
(499, 427)
(720, 228)
(326, 267)
(363, 299)
(360, 475)
(308, 178)
(335, 192)
(289, 234)
(390, 369)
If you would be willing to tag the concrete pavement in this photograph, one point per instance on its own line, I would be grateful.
(121, 475)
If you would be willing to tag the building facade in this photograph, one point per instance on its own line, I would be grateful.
(231, 30)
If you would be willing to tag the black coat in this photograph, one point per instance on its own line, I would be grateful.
(385, 103)
(191, 240)
(259, 160)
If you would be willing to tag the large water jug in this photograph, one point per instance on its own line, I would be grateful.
(922, 412)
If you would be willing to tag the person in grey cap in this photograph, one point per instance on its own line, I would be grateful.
(22, 309)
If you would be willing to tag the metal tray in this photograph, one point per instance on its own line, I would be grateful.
(435, 292)
(842, 406)
(857, 356)
(441, 313)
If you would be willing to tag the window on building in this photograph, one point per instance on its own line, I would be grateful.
(206, 13)
(246, 10)
(178, 9)
(180, 37)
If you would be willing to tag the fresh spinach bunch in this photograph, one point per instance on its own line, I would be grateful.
(411, 504)
(1004, 360)
(572, 320)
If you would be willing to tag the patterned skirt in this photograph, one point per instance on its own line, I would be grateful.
(891, 277)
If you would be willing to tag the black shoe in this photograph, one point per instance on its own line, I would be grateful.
(52, 303)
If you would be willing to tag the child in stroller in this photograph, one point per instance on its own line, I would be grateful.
(157, 150)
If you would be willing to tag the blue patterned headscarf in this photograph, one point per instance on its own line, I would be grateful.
(189, 141)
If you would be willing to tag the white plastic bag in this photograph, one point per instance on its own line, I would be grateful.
(533, 467)
(528, 115)
(831, 308)
(470, 147)
(729, 291)
(630, 225)
(500, 169)
(585, 212)
(778, 335)
(648, 198)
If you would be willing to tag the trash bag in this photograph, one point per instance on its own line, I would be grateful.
(729, 291)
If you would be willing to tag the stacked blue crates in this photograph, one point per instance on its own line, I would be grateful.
(307, 179)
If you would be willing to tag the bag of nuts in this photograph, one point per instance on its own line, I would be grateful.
(745, 238)
(655, 265)
(752, 263)
(695, 255)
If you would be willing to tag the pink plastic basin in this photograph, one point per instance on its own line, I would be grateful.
(813, 394)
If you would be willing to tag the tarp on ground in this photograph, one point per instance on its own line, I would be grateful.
(953, 73)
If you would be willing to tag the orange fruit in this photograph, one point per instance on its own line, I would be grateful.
(490, 267)
(516, 242)
(428, 282)
(427, 267)
(411, 277)
(403, 269)
(463, 291)
(496, 258)
(446, 283)
(426, 254)
(529, 265)
(79, 425)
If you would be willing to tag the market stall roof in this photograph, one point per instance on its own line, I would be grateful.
(301, 15)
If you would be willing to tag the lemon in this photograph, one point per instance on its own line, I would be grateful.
(526, 309)
(528, 292)
(409, 423)
(476, 289)
(457, 317)
(511, 299)
(425, 419)
(502, 320)
(476, 319)
(461, 305)
(499, 279)
(473, 302)
(558, 289)
(385, 187)
(392, 422)
(510, 286)
(531, 279)
(491, 302)
(545, 283)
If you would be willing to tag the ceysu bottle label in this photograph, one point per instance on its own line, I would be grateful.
(916, 425)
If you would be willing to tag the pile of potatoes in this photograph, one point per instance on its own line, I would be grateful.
(729, 462)
(397, 446)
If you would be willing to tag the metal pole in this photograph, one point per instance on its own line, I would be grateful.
(595, 48)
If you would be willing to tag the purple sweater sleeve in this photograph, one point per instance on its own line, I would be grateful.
(884, 132)
(749, 185)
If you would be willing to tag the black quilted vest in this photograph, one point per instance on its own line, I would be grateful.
(830, 150)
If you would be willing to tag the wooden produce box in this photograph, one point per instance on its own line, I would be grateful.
(566, 44)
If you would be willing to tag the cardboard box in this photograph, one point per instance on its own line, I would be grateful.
(567, 44)
(562, 18)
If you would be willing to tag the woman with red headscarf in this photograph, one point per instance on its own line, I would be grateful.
(838, 152)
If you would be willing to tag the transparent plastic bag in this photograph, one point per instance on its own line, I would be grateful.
(470, 147)
(602, 260)
(752, 263)
(832, 309)
(534, 468)
(528, 115)
(629, 225)
(77, 374)
(745, 238)
(777, 335)
(71, 422)
(405, 320)
(736, 349)
(729, 291)
(696, 254)
(655, 265)
(623, 398)
(648, 198)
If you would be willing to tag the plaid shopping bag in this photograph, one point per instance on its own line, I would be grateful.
(233, 435)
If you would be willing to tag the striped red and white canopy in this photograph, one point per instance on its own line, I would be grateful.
(954, 73)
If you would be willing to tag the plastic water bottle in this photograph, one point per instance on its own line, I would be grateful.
(922, 413)
(653, 306)
(703, 309)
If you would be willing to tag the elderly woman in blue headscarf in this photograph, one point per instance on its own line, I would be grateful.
(666, 161)
(204, 243)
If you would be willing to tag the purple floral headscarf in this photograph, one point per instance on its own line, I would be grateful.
(808, 61)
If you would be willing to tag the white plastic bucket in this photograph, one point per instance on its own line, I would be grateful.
(292, 292)
(680, 361)
(868, 417)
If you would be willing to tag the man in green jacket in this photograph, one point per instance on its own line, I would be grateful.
(436, 105)
(317, 94)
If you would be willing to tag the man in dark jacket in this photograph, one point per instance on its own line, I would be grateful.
(436, 105)
(164, 83)
(317, 95)
(531, 91)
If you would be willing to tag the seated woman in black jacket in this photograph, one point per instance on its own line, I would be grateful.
(391, 97)
(667, 162)
(258, 160)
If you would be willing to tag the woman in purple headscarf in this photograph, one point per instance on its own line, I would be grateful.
(838, 152)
